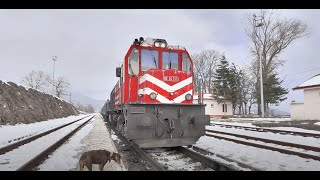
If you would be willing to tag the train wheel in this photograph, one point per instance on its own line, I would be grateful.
(120, 124)
(114, 119)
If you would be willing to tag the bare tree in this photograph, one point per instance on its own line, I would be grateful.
(80, 107)
(90, 108)
(85, 108)
(36, 80)
(61, 86)
(205, 64)
(270, 39)
(247, 88)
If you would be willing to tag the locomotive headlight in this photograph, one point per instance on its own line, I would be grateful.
(188, 97)
(157, 44)
(163, 45)
(153, 96)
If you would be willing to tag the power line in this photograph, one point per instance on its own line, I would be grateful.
(303, 72)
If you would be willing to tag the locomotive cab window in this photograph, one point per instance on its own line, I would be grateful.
(186, 65)
(133, 64)
(149, 59)
(170, 60)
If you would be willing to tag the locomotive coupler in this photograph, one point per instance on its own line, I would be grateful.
(171, 125)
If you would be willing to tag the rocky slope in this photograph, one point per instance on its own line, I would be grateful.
(22, 105)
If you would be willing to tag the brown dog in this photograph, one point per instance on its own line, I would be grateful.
(100, 157)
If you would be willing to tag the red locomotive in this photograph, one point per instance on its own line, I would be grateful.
(152, 103)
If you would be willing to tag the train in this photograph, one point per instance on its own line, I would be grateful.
(152, 101)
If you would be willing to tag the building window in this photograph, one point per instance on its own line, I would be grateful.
(224, 107)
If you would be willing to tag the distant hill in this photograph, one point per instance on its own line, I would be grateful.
(85, 100)
(279, 112)
(274, 111)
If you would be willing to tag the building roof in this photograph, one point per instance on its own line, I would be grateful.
(310, 83)
(206, 96)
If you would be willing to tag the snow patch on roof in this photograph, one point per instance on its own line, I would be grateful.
(206, 96)
(315, 80)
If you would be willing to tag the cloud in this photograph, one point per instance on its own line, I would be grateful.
(90, 44)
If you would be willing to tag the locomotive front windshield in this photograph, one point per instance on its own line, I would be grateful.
(149, 59)
(170, 60)
(186, 65)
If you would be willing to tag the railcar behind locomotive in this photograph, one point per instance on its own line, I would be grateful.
(152, 102)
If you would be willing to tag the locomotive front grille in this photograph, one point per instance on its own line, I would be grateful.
(137, 110)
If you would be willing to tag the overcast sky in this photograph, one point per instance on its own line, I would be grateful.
(91, 43)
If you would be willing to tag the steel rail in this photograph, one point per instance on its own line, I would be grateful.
(17, 144)
(282, 143)
(34, 162)
(315, 135)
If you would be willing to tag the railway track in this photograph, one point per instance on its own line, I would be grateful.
(17, 144)
(217, 134)
(32, 161)
(230, 161)
(259, 129)
(155, 155)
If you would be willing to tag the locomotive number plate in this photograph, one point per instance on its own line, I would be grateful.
(171, 78)
(137, 110)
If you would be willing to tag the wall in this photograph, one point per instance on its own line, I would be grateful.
(213, 108)
(297, 111)
(310, 109)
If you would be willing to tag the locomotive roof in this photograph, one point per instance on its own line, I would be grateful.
(148, 42)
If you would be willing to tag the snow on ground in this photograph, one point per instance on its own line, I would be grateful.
(226, 161)
(309, 141)
(270, 144)
(10, 132)
(176, 161)
(256, 157)
(235, 123)
(261, 119)
(14, 159)
(318, 123)
(99, 138)
(65, 157)
(114, 136)
(296, 129)
(276, 128)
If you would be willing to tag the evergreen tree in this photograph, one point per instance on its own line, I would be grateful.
(234, 80)
(221, 81)
(274, 93)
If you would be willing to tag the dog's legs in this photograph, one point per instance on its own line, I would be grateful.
(101, 166)
(89, 166)
(81, 164)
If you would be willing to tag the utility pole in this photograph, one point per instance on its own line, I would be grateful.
(260, 59)
(54, 58)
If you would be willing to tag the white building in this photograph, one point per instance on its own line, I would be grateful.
(310, 109)
(213, 108)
